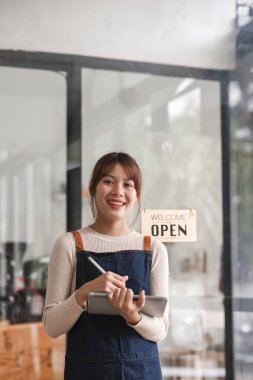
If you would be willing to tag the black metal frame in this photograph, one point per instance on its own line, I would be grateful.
(72, 65)
(227, 259)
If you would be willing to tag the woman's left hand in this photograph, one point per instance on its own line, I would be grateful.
(122, 300)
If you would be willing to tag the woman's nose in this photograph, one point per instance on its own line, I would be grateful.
(117, 189)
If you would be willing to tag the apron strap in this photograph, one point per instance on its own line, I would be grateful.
(147, 243)
(78, 240)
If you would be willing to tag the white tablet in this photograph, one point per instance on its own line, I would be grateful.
(98, 303)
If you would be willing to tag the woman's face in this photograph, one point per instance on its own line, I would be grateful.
(115, 195)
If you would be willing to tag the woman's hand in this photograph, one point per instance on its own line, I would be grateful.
(122, 300)
(107, 282)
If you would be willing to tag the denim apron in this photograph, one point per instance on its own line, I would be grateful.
(104, 347)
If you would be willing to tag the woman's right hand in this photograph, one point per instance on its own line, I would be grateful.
(107, 283)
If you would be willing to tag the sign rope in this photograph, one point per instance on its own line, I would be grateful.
(167, 146)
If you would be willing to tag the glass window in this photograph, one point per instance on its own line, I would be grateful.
(241, 111)
(32, 185)
(139, 113)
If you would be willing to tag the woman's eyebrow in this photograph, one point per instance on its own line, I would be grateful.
(112, 176)
(109, 175)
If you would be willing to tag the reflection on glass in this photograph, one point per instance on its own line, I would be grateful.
(241, 111)
(32, 186)
(138, 113)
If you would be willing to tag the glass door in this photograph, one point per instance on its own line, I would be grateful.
(140, 114)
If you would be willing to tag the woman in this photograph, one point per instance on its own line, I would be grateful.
(106, 347)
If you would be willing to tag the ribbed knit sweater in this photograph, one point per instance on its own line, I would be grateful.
(61, 309)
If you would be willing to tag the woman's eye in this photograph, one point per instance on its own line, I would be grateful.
(127, 184)
(107, 181)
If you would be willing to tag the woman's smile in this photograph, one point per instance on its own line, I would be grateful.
(115, 203)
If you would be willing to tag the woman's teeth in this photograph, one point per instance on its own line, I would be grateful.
(116, 203)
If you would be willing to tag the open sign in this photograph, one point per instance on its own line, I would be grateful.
(169, 225)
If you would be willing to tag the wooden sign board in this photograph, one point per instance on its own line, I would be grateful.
(169, 225)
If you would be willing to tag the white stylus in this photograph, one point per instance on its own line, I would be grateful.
(96, 265)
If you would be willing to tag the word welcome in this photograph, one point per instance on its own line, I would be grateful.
(168, 217)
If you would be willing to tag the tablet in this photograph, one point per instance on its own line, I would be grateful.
(98, 303)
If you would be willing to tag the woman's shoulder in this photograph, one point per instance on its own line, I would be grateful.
(63, 251)
(157, 243)
(158, 248)
(66, 238)
(154, 245)
(64, 243)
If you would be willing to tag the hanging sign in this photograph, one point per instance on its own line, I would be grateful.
(169, 225)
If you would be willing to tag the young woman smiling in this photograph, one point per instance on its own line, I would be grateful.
(111, 347)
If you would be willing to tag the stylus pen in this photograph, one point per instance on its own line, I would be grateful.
(96, 265)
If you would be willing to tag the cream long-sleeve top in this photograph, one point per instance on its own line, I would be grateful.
(61, 309)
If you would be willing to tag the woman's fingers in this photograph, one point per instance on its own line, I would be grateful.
(122, 300)
(129, 296)
(113, 295)
(106, 282)
(115, 279)
(118, 294)
(117, 297)
(141, 300)
(122, 296)
(116, 276)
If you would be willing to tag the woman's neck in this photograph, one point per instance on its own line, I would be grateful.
(112, 229)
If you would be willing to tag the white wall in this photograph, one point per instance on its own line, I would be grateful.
(196, 33)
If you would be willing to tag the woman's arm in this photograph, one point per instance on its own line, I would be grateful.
(153, 328)
(61, 309)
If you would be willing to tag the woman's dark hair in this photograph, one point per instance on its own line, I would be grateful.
(104, 166)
